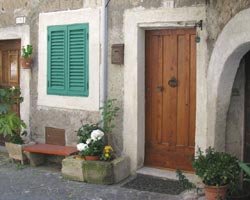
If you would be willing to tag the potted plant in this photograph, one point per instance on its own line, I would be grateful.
(237, 189)
(109, 111)
(91, 143)
(91, 136)
(108, 168)
(26, 59)
(217, 170)
(10, 123)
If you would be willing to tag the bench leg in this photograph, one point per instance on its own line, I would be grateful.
(35, 159)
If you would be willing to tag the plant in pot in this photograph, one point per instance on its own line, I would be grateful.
(91, 143)
(236, 189)
(10, 123)
(26, 59)
(92, 136)
(109, 111)
(216, 170)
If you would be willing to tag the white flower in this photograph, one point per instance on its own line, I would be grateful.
(88, 141)
(81, 146)
(13, 87)
(96, 134)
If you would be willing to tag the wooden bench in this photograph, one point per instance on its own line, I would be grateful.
(35, 153)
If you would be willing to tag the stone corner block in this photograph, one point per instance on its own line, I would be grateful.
(35, 159)
(98, 172)
(72, 169)
(121, 168)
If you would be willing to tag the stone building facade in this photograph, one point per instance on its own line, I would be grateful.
(220, 114)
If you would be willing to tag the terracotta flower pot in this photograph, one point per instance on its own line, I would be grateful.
(79, 157)
(92, 157)
(26, 63)
(215, 192)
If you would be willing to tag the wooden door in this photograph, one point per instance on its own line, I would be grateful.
(9, 67)
(170, 98)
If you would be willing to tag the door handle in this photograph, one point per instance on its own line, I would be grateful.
(160, 88)
(173, 82)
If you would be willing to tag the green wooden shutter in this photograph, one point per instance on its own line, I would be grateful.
(78, 60)
(57, 60)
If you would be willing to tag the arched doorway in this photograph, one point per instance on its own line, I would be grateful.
(232, 44)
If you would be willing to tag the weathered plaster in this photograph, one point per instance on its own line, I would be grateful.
(231, 46)
(135, 23)
(92, 17)
(236, 115)
(23, 33)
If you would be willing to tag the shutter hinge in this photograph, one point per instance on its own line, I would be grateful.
(48, 37)
(87, 85)
(87, 36)
(48, 83)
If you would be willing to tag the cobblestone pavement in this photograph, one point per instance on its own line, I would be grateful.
(40, 183)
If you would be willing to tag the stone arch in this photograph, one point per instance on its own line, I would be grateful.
(232, 44)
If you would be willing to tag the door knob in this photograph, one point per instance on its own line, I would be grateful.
(173, 82)
(160, 88)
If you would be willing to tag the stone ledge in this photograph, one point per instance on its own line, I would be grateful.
(98, 172)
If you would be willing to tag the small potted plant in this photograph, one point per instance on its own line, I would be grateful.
(26, 59)
(237, 189)
(10, 123)
(91, 143)
(217, 170)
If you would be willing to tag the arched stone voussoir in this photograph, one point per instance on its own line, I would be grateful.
(232, 44)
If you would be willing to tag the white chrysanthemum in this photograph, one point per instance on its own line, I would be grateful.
(88, 141)
(96, 134)
(81, 146)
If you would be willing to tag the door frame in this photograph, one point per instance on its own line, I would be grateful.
(135, 24)
(21, 32)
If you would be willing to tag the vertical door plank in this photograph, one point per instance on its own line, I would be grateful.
(169, 93)
(192, 90)
(183, 90)
(148, 92)
(153, 97)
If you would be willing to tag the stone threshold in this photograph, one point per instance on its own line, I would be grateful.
(164, 173)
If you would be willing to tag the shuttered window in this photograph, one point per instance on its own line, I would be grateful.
(68, 60)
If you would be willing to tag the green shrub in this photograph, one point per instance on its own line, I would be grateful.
(216, 168)
(10, 123)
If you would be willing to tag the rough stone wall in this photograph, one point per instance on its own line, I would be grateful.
(219, 12)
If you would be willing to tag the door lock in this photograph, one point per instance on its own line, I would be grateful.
(173, 82)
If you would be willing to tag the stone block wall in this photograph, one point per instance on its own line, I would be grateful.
(219, 12)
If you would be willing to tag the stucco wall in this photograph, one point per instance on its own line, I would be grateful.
(218, 13)
(41, 117)
(235, 115)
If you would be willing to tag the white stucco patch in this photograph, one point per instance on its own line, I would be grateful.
(91, 16)
(136, 21)
(231, 45)
(22, 33)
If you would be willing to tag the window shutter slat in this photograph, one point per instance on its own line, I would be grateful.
(78, 60)
(57, 54)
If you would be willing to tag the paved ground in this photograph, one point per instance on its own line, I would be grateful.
(41, 183)
(27, 183)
